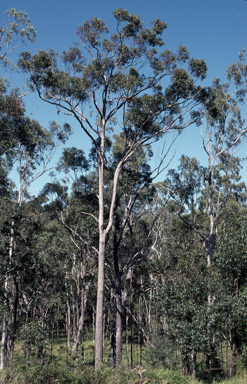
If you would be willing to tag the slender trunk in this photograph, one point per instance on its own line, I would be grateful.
(52, 335)
(235, 351)
(73, 322)
(201, 362)
(140, 329)
(101, 270)
(211, 231)
(131, 332)
(119, 320)
(5, 322)
(6, 297)
(127, 340)
(102, 240)
(186, 365)
(119, 304)
(93, 345)
(14, 326)
(40, 354)
(28, 345)
(210, 246)
(100, 304)
(68, 315)
(4, 344)
(112, 354)
(80, 332)
(149, 310)
(193, 363)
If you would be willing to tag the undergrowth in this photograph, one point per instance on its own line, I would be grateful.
(50, 374)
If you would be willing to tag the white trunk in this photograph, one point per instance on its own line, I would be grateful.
(101, 269)
(6, 294)
(80, 331)
(68, 314)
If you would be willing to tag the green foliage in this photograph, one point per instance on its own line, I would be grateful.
(183, 300)
(109, 66)
(50, 374)
(34, 334)
(17, 30)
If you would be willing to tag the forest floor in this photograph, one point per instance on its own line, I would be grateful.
(60, 366)
(49, 374)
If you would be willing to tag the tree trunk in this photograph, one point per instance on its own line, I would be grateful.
(80, 331)
(100, 303)
(93, 345)
(131, 332)
(5, 326)
(68, 316)
(127, 340)
(13, 334)
(27, 344)
(101, 264)
(235, 349)
(119, 303)
(186, 365)
(119, 319)
(4, 344)
(6, 296)
(193, 361)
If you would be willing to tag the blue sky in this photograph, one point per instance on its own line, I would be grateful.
(213, 30)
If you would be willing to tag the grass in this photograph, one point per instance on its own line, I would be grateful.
(49, 374)
(61, 366)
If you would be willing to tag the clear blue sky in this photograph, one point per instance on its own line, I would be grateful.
(213, 30)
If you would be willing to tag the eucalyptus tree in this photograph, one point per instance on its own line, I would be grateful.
(231, 261)
(192, 195)
(182, 305)
(33, 160)
(16, 31)
(223, 130)
(23, 141)
(120, 79)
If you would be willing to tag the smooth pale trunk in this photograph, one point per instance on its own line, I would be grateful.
(13, 335)
(4, 332)
(119, 304)
(4, 344)
(119, 319)
(80, 331)
(101, 275)
(68, 315)
(100, 305)
(6, 293)
(101, 257)
(193, 363)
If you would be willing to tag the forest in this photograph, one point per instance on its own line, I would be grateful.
(110, 265)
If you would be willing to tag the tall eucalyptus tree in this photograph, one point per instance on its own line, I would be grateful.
(120, 78)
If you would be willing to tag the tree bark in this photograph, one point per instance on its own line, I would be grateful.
(6, 295)
(14, 326)
(101, 268)
(119, 304)
(68, 315)
(4, 344)
(193, 363)
(119, 320)
(186, 365)
(80, 331)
